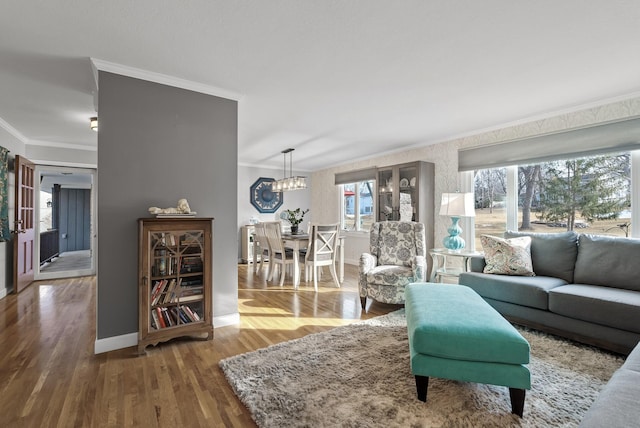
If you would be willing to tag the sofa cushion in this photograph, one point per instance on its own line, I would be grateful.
(552, 254)
(520, 290)
(617, 403)
(507, 256)
(608, 260)
(390, 275)
(608, 306)
(633, 360)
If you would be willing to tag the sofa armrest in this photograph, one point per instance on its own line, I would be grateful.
(476, 264)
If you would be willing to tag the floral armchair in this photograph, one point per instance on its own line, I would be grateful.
(397, 257)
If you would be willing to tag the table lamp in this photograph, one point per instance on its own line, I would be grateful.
(456, 205)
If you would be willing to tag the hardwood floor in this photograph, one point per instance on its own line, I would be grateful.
(49, 376)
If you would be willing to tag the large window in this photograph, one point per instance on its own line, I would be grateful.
(588, 195)
(358, 205)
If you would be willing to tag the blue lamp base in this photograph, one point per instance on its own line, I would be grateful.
(454, 242)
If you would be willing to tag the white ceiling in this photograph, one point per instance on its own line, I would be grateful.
(333, 79)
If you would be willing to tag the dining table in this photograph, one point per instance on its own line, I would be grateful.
(298, 241)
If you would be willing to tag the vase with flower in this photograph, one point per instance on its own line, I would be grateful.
(294, 217)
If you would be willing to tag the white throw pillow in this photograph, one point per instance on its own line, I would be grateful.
(507, 256)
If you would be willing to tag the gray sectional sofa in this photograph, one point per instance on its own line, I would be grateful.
(617, 403)
(586, 288)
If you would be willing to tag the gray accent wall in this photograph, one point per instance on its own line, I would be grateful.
(158, 144)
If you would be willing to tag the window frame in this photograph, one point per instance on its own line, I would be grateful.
(466, 178)
(356, 205)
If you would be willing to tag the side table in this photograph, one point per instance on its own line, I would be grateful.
(440, 270)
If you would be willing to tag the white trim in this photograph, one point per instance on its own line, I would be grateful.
(351, 262)
(127, 340)
(116, 342)
(3, 293)
(61, 145)
(469, 224)
(225, 320)
(164, 79)
(512, 198)
(13, 131)
(635, 194)
(46, 162)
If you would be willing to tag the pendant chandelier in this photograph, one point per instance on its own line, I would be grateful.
(290, 182)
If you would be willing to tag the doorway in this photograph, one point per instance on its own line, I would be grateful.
(65, 222)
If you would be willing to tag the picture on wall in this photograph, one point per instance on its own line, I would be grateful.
(263, 198)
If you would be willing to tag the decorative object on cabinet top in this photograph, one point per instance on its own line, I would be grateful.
(263, 198)
(181, 210)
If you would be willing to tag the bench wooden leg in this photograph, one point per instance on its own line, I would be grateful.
(422, 383)
(517, 400)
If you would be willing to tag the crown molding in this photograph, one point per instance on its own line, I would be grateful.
(151, 76)
(13, 131)
(60, 145)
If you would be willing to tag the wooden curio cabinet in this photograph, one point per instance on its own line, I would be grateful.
(174, 279)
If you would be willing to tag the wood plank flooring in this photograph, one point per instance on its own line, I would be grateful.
(49, 376)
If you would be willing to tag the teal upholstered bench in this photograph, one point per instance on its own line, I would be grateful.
(454, 334)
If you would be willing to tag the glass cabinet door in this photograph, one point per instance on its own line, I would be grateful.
(386, 203)
(408, 196)
(177, 275)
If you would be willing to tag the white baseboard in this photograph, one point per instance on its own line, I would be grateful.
(3, 293)
(225, 320)
(116, 342)
(126, 340)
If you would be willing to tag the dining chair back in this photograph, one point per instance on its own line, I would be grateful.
(261, 245)
(322, 251)
(279, 254)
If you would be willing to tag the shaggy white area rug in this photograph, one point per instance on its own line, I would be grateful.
(359, 376)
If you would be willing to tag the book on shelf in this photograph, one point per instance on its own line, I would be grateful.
(160, 323)
(156, 290)
(191, 313)
(191, 298)
(179, 314)
(191, 290)
(155, 321)
(167, 317)
(170, 293)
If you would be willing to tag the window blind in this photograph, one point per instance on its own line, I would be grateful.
(355, 176)
(593, 140)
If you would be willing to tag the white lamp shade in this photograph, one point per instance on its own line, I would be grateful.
(457, 205)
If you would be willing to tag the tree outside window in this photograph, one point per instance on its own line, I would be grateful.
(590, 195)
(358, 205)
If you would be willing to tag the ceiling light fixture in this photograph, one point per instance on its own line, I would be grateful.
(93, 123)
(290, 182)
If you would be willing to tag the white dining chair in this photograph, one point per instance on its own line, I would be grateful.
(279, 254)
(262, 247)
(321, 251)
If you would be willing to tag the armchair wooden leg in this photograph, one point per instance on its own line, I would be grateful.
(363, 302)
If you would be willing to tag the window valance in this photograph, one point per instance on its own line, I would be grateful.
(593, 140)
(355, 176)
